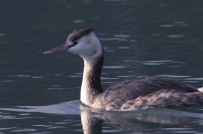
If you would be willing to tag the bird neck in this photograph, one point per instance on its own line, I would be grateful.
(91, 83)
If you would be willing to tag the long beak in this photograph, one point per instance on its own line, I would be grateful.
(61, 48)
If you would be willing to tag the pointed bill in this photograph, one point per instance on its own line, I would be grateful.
(59, 49)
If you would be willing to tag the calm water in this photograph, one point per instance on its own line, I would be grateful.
(39, 94)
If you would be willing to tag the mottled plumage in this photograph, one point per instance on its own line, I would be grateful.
(134, 88)
(140, 93)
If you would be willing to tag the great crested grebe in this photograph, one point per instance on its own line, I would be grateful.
(133, 94)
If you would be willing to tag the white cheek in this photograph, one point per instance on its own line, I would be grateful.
(75, 49)
(79, 49)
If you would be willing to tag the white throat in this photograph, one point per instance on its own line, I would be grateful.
(84, 87)
(91, 76)
(89, 69)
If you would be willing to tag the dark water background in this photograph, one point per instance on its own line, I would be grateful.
(39, 94)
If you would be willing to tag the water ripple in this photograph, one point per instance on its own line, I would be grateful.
(166, 26)
(173, 76)
(1, 34)
(121, 36)
(156, 62)
(78, 21)
(111, 39)
(20, 76)
(175, 36)
(6, 81)
(67, 108)
(113, 67)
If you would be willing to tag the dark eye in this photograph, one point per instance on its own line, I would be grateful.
(74, 43)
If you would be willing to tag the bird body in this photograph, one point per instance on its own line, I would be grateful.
(133, 94)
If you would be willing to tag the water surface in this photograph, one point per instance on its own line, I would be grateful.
(40, 93)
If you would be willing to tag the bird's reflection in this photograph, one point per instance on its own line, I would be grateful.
(143, 121)
(179, 120)
(91, 124)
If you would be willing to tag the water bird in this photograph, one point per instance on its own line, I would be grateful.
(131, 94)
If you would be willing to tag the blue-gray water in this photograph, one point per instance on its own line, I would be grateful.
(39, 94)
